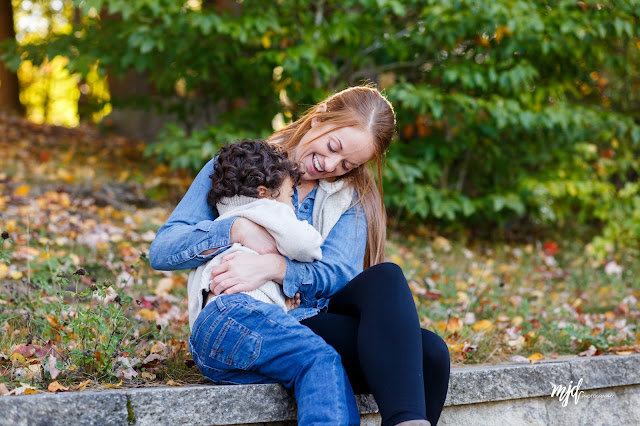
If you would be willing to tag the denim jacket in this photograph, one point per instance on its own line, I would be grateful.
(191, 229)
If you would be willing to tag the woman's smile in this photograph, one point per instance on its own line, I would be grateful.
(326, 151)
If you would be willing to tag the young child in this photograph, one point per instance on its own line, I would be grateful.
(251, 338)
(255, 180)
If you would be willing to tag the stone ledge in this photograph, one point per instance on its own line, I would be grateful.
(251, 404)
(475, 384)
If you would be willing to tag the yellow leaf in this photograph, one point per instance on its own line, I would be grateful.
(516, 321)
(11, 225)
(30, 391)
(625, 352)
(148, 314)
(56, 387)
(456, 347)
(266, 41)
(16, 275)
(148, 376)
(482, 325)
(22, 191)
(123, 175)
(4, 271)
(501, 31)
(65, 175)
(173, 383)
(112, 386)
(82, 386)
(461, 285)
(18, 357)
(535, 358)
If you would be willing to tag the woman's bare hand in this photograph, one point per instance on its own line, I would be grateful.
(253, 236)
(242, 271)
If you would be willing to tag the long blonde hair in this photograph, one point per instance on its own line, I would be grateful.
(363, 107)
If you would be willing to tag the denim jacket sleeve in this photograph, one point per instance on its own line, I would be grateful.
(191, 229)
(342, 259)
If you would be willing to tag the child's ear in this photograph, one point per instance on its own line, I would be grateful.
(263, 192)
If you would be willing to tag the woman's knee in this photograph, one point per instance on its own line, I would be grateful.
(386, 277)
(435, 350)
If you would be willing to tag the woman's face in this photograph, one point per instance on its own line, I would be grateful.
(333, 154)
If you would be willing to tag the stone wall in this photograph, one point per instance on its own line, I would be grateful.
(506, 394)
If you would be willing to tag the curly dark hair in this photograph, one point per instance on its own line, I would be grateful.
(245, 165)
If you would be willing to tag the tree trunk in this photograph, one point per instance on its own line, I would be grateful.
(9, 87)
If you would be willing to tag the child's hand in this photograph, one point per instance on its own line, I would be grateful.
(292, 302)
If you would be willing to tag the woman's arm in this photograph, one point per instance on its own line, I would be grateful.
(342, 259)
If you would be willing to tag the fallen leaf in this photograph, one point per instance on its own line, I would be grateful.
(112, 386)
(148, 376)
(153, 357)
(535, 358)
(23, 389)
(53, 370)
(482, 325)
(56, 387)
(453, 325)
(22, 191)
(4, 271)
(3, 389)
(442, 244)
(148, 314)
(550, 248)
(173, 383)
(518, 358)
(82, 386)
(164, 287)
(589, 352)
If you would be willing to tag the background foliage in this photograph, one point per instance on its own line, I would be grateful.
(509, 112)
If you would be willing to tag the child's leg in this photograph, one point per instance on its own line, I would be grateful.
(237, 339)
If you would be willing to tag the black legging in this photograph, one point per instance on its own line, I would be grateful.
(373, 324)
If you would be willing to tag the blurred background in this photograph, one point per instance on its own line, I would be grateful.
(516, 114)
(512, 184)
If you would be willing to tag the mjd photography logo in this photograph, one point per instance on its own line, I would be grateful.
(563, 393)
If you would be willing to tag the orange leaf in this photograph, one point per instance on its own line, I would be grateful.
(82, 386)
(22, 191)
(56, 387)
(173, 383)
(535, 358)
(453, 325)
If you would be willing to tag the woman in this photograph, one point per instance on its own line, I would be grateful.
(371, 320)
